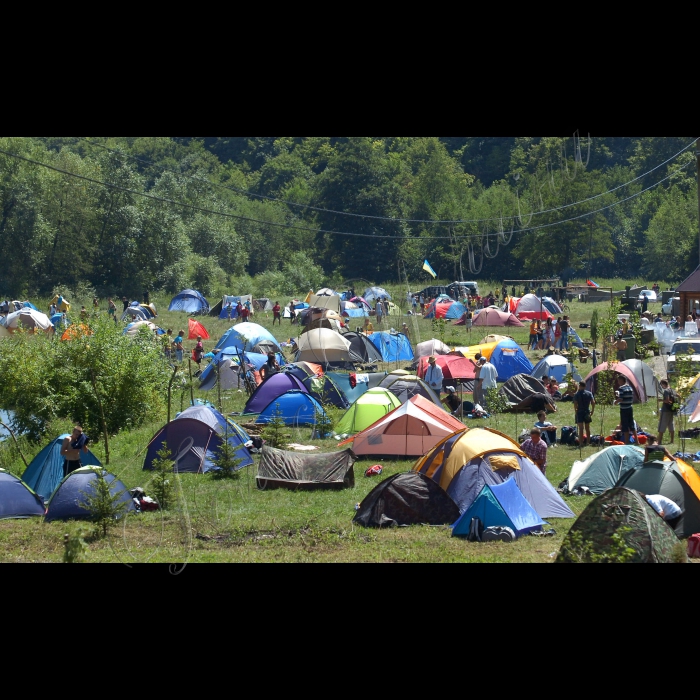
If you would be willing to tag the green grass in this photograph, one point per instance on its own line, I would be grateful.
(231, 521)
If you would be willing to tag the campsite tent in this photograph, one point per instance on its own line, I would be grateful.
(279, 469)
(500, 505)
(326, 292)
(520, 390)
(70, 500)
(455, 367)
(431, 348)
(604, 469)
(324, 347)
(645, 377)
(329, 323)
(509, 360)
(362, 350)
(409, 431)
(226, 365)
(29, 320)
(257, 339)
(626, 512)
(407, 499)
(326, 391)
(133, 329)
(135, 314)
(492, 318)
(372, 406)
(326, 303)
(272, 389)
(372, 294)
(447, 309)
(552, 306)
(353, 393)
(45, 472)
(405, 388)
(393, 347)
(222, 311)
(295, 408)
(485, 349)
(465, 462)
(190, 302)
(193, 440)
(555, 366)
(675, 480)
(530, 307)
(17, 500)
(640, 395)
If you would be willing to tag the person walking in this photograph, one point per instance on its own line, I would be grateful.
(198, 353)
(125, 301)
(584, 407)
(277, 313)
(112, 310)
(379, 309)
(478, 393)
(668, 412)
(489, 377)
(565, 325)
(179, 347)
(625, 400)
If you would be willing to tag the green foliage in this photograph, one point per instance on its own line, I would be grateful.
(496, 403)
(75, 548)
(105, 507)
(162, 484)
(582, 551)
(274, 433)
(226, 461)
(595, 320)
(439, 329)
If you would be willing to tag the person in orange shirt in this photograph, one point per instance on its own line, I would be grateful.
(533, 335)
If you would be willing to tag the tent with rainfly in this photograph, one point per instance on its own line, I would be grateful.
(393, 347)
(431, 348)
(355, 389)
(270, 390)
(500, 505)
(249, 337)
(640, 395)
(45, 472)
(291, 470)
(455, 367)
(493, 318)
(509, 360)
(407, 499)
(409, 431)
(197, 330)
(295, 408)
(326, 348)
(467, 461)
(17, 500)
(674, 480)
(530, 307)
(362, 349)
(70, 499)
(446, 308)
(373, 294)
(191, 302)
(555, 366)
(326, 391)
(604, 469)
(404, 388)
(367, 410)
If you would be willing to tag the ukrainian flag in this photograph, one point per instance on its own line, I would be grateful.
(430, 270)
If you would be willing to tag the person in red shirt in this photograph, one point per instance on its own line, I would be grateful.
(245, 314)
(277, 313)
(536, 449)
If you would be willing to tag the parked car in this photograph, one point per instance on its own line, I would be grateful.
(651, 296)
(684, 347)
(667, 308)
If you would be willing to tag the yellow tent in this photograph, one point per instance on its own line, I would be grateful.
(451, 455)
(64, 308)
(471, 353)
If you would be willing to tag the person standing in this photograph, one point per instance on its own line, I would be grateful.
(621, 347)
(168, 345)
(95, 304)
(645, 304)
(536, 449)
(421, 301)
(125, 301)
(405, 330)
(667, 413)
(270, 368)
(112, 309)
(229, 310)
(584, 406)
(478, 393)
(292, 313)
(179, 347)
(625, 400)
(368, 328)
(533, 336)
(198, 353)
(489, 377)
(434, 377)
(72, 448)
(565, 325)
(245, 313)
(277, 313)
(379, 308)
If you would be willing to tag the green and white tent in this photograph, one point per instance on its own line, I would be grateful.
(604, 470)
(367, 410)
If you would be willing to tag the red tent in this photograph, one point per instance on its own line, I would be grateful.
(453, 367)
(197, 330)
(592, 379)
(535, 315)
(496, 319)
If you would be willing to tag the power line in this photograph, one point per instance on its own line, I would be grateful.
(385, 218)
(308, 229)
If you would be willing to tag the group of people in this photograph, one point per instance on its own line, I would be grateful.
(550, 334)
(240, 313)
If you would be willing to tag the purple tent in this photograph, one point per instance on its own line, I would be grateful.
(272, 389)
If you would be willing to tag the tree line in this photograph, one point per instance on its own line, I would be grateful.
(270, 214)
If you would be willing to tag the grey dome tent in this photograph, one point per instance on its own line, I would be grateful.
(407, 499)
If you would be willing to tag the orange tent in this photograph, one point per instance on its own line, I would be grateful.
(74, 332)
(197, 330)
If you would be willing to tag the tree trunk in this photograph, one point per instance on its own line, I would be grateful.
(19, 449)
(105, 432)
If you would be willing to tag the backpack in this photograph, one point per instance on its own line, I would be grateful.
(498, 534)
(694, 547)
(476, 529)
(569, 436)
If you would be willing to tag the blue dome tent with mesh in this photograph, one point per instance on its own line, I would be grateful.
(190, 302)
(17, 500)
(295, 408)
(249, 337)
(373, 294)
(394, 347)
(509, 360)
(45, 473)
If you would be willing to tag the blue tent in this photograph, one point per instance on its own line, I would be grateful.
(325, 391)
(17, 500)
(394, 347)
(257, 339)
(271, 390)
(356, 313)
(456, 311)
(296, 408)
(45, 473)
(501, 506)
(29, 305)
(509, 360)
(372, 294)
(190, 302)
(57, 319)
(67, 503)
(194, 438)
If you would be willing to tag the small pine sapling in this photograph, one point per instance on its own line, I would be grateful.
(225, 461)
(274, 433)
(104, 505)
(162, 483)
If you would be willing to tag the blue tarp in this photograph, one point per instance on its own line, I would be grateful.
(17, 501)
(356, 313)
(509, 360)
(296, 408)
(257, 339)
(45, 473)
(191, 302)
(501, 506)
(66, 502)
(394, 347)
(57, 319)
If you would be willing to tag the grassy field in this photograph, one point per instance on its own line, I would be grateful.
(231, 521)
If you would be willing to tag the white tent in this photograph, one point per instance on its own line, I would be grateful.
(530, 303)
(28, 318)
(326, 293)
(323, 346)
(555, 366)
(645, 377)
(133, 329)
(431, 348)
(325, 302)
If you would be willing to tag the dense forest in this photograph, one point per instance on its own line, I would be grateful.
(278, 214)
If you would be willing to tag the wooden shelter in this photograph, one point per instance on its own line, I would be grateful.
(689, 292)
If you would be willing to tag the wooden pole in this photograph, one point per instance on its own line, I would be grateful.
(19, 449)
(189, 364)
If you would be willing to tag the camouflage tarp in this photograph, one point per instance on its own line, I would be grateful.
(279, 469)
(407, 499)
(651, 538)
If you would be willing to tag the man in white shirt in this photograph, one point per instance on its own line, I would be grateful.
(665, 507)
(488, 375)
(434, 377)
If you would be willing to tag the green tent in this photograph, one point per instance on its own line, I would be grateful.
(624, 512)
(603, 470)
(367, 410)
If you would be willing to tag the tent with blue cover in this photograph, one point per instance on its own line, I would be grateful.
(17, 500)
(58, 320)
(190, 302)
(70, 499)
(446, 308)
(326, 391)
(249, 337)
(509, 360)
(394, 347)
(555, 366)
(272, 389)
(45, 472)
(373, 294)
(194, 438)
(501, 505)
(295, 408)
